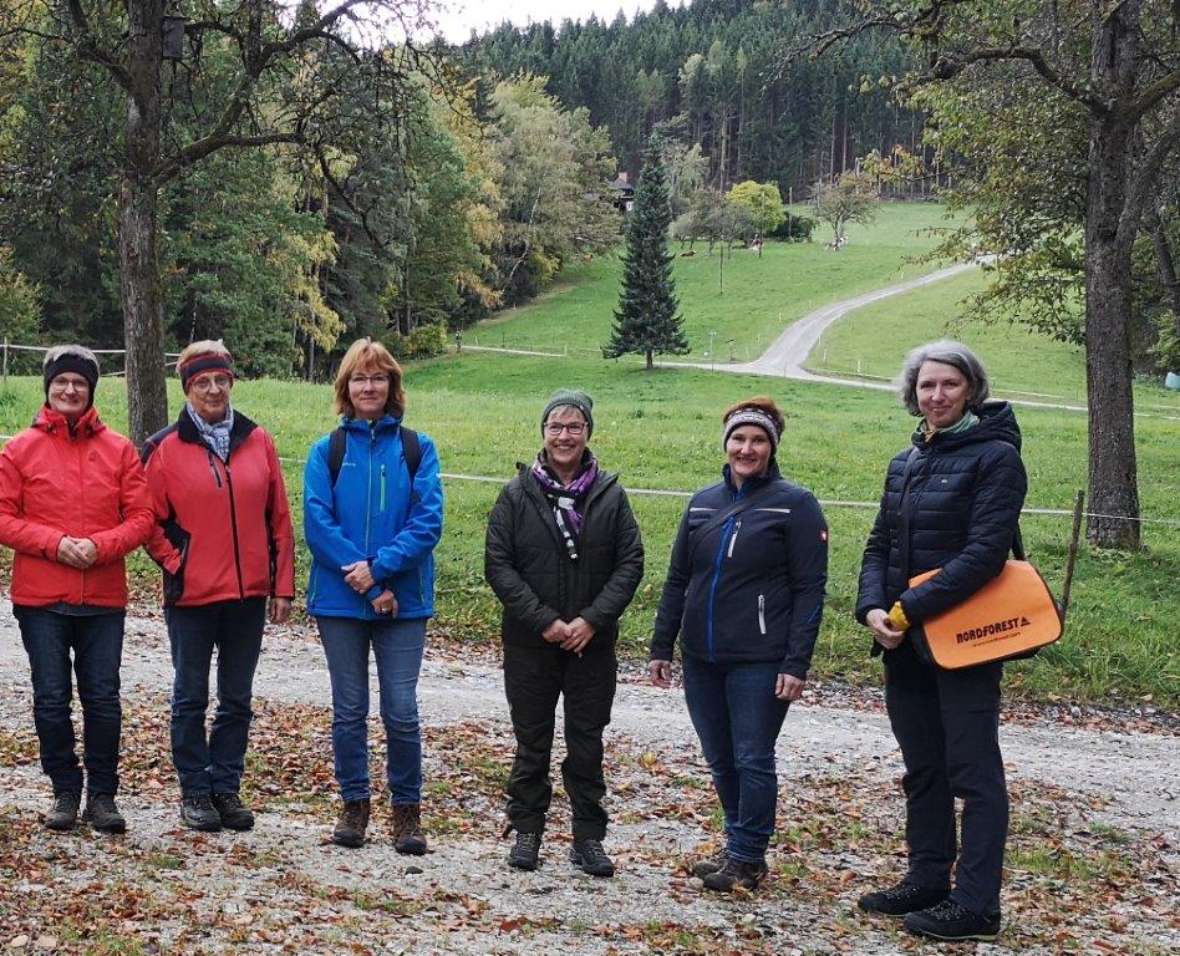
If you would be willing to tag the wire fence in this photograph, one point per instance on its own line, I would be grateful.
(22, 359)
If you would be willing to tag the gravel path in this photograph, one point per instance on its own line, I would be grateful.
(282, 880)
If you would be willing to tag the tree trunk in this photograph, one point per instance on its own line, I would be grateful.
(650, 363)
(143, 327)
(1112, 467)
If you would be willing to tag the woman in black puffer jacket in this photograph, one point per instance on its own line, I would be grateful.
(745, 593)
(952, 501)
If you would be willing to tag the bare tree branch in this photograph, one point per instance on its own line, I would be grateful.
(87, 46)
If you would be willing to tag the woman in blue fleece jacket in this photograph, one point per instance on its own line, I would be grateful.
(372, 519)
(744, 592)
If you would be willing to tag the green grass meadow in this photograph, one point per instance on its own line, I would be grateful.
(873, 341)
(761, 295)
(661, 431)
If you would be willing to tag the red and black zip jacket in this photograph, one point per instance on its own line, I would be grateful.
(223, 529)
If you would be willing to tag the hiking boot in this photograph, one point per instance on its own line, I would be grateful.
(905, 897)
(198, 813)
(64, 814)
(102, 814)
(589, 857)
(354, 820)
(234, 815)
(526, 852)
(735, 875)
(950, 921)
(407, 829)
(709, 864)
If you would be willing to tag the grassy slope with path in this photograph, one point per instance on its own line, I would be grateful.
(761, 296)
(1022, 363)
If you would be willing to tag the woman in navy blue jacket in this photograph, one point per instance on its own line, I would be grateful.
(952, 501)
(372, 513)
(744, 592)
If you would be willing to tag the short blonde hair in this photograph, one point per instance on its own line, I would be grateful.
(365, 355)
(204, 347)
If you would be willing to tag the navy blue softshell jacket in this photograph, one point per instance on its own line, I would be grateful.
(373, 513)
(966, 492)
(751, 589)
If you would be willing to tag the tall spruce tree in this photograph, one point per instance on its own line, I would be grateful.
(647, 318)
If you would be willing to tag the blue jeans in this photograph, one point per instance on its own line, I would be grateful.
(397, 646)
(213, 764)
(738, 719)
(97, 643)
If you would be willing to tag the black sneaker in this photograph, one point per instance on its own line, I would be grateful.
(905, 897)
(710, 864)
(525, 853)
(234, 816)
(950, 921)
(198, 813)
(102, 814)
(589, 857)
(736, 875)
(64, 814)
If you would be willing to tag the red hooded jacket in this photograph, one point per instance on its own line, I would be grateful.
(84, 482)
(223, 529)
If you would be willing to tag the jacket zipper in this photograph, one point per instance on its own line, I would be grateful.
(383, 503)
(233, 521)
(82, 510)
(369, 493)
(732, 541)
(713, 588)
(762, 613)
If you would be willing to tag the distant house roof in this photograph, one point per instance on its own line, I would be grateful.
(622, 184)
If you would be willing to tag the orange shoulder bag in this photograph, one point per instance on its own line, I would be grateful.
(1012, 616)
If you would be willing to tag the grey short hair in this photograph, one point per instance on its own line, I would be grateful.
(947, 352)
(79, 351)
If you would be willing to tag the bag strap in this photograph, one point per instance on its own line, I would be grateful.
(735, 509)
(338, 441)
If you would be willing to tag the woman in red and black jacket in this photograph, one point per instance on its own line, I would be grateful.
(73, 502)
(224, 539)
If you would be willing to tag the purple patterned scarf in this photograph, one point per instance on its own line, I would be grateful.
(566, 500)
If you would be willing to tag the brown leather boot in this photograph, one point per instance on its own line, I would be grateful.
(407, 829)
(354, 820)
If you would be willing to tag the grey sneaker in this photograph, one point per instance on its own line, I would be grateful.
(198, 813)
(589, 857)
(526, 852)
(102, 814)
(233, 813)
(64, 813)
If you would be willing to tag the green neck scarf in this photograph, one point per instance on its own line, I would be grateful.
(968, 421)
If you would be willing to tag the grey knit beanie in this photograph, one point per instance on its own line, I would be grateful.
(573, 398)
(70, 358)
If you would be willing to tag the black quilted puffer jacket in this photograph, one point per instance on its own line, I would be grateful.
(964, 502)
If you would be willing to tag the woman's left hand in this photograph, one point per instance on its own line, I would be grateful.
(788, 687)
(280, 610)
(358, 576)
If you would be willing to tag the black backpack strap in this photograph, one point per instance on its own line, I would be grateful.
(411, 451)
(337, 443)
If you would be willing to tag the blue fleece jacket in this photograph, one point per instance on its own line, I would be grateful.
(372, 514)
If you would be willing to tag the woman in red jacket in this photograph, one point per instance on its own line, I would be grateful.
(224, 539)
(73, 502)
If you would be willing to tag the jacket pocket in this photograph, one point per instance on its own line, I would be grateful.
(174, 583)
(762, 613)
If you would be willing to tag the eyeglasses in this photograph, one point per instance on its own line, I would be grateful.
(62, 384)
(556, 428)
(207, 383)
(360, 381)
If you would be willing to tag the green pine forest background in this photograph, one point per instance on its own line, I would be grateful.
(485, 186)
